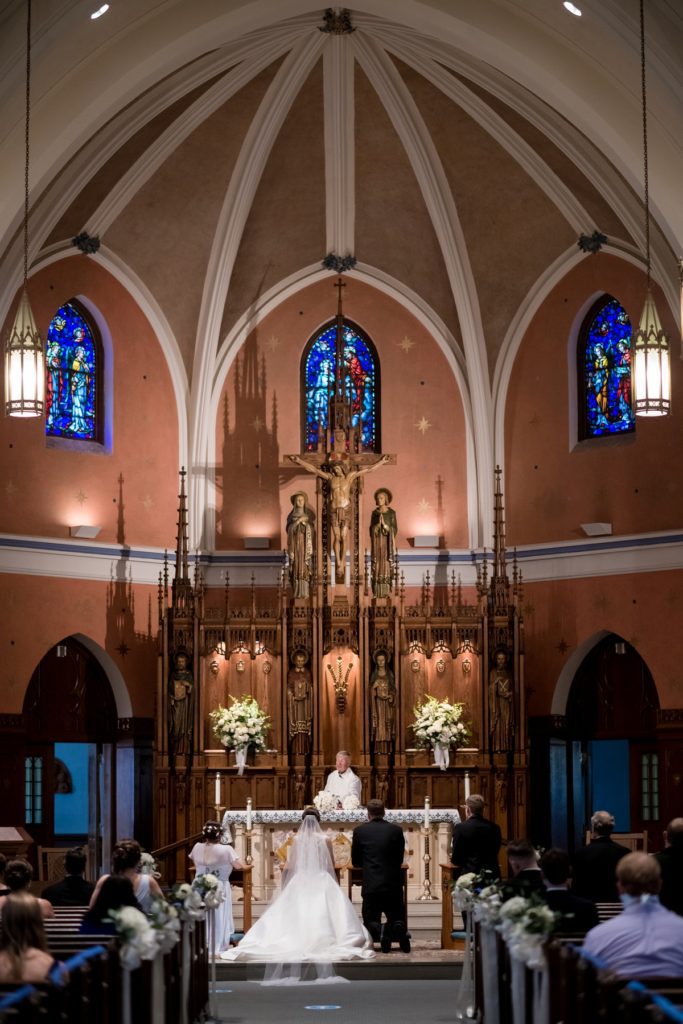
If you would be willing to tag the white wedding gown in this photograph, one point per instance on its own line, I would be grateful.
(310, 920)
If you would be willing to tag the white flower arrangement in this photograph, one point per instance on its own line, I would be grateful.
(325, 801)
(244, 724)
(188, 902)
(486, 906)
(463, 891)
(525, 925)
(351, 802)
(166, 922)
(210, 889)
(148, 865)
(139, 939)
(437, 721)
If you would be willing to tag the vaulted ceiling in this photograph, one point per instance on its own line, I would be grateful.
(221, 149)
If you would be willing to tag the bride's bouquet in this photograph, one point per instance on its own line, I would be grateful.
(325, 801)
(241, 726)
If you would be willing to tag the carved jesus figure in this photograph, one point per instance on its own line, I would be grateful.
(341, 480)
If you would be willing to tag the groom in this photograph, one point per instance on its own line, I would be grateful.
(378, 848)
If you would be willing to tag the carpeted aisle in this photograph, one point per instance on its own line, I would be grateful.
(356, 1002)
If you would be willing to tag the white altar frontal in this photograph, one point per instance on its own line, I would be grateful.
(266, 842)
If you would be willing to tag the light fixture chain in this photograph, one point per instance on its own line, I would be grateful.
(27, 138)
(645, 161)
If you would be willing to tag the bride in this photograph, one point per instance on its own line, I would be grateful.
(310, 921)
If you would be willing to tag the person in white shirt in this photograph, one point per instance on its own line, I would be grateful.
(343, 782)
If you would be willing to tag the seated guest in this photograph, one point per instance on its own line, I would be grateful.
(125, 861)
(578, 915)
(72, 891)
(595, 864)
(670, 861)
(526, 877)
(18, 878)
(4, 891)
(23, 947)
(115, 892)
(646, 939)
(476, 841)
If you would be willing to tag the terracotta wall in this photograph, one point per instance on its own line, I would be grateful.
(429, 482)
(48, 489)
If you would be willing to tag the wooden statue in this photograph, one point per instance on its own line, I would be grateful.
(300, 704)
(300, 545)
(500, 703)
(383, 705)
(383, 530)
(180, 706)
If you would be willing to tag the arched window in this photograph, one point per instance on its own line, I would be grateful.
(361, 382)
(74, 368)
(604, 368)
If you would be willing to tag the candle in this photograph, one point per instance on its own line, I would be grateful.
(426, 819)
(217, 790)
(467, 785)
(249, 814)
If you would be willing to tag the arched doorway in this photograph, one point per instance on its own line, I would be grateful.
(70, 721)
(611, 743)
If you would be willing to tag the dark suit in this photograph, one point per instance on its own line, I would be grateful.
(476, 843)
(671, 862)
(595, 870)
(525, 883)
(72, 891)
(581, 914)
(377, 848)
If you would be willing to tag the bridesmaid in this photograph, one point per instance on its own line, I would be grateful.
(210, 856)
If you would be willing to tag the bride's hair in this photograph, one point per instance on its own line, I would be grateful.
(313, 811)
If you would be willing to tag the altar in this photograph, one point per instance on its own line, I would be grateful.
(265, 844)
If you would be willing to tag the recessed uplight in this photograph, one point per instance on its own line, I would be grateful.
(98, 14)
(572, 8)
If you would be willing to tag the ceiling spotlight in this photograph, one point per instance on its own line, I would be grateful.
(572, 8)
(98, 13)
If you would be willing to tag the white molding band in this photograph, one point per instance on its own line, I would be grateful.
(563, 560)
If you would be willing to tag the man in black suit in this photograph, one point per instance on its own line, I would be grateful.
(526, 878)
(72, 891)
(578, 916)
(476, 841)
(378, 848)
(671, 862)
(595, 864)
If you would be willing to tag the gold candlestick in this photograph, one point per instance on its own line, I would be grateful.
(426, 860)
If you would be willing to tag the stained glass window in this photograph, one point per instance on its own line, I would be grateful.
(361, 384)
(73, 368)
(605, 371)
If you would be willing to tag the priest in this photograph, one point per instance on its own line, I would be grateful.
(343, 782)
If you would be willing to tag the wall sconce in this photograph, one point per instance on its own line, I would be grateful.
(466, 666)
(213, 667)
(441, 666)
(240, 666)
(84, 532)
(415, 665)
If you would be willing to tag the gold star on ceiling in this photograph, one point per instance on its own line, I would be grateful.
(272, 343)
(423, 505)
(10, 488)
(257, 423)
(147, 502)
(81, 497)
(423, 425)
(406, 344)
(563, 646)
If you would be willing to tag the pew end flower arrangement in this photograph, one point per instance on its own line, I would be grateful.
(438, 725)
(242, 726)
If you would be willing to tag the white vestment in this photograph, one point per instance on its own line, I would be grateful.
(341, 785)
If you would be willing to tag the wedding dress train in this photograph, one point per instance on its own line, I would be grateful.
(310, 921)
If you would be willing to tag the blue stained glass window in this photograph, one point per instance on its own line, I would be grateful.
(361, 384)
(72, 366)
(605, 371)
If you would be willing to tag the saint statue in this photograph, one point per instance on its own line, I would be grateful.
(300, 545)
(300, 703)
(500, 703)
(341, 479)
(180, 706)
(383, 529)
(382, 705)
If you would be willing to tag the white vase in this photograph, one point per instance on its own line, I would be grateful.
(441, 756)
(241, 759)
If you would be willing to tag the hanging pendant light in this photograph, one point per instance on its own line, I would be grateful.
(652, 368)
(24, 355)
